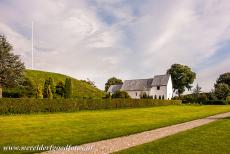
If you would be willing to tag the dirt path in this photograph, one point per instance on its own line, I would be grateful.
(120, 143)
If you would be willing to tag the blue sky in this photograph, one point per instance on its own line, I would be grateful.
(129, 39)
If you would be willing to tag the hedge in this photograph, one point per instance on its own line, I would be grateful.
(29, 105)
(216, 102)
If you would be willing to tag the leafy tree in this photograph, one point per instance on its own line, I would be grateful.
(68, 88)
(60, 89)
(182, 77)
(120, 94)
(27, 88)
(224, 78)
(228, 98)
(222, 90)
(202, 98)
(11, 67)
(112, 81)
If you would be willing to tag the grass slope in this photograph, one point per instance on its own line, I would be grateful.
(88, 126)
(213, 138)
(80, 89)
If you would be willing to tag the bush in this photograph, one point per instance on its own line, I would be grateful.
(120, 94)
(215, 102)
(228, 98)
(26, 106)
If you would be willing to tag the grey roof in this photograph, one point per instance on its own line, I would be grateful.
(114, 88)
(139, 84)
(160, 80)
(145, 84)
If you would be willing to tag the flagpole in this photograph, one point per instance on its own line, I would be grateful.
(32, 46)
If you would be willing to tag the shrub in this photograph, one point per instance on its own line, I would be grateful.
(26, 106)
(215, 102)
(68, 88)
(120, 94)
(228, 98)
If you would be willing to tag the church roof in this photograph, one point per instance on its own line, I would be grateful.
(145, 84)
(141, 84)
(114, 88)
(160, 80)
(138, 84)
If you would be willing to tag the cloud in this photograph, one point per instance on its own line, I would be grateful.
(125, 38)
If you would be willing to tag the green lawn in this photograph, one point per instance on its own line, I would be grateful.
(87, 126)
(213, 138)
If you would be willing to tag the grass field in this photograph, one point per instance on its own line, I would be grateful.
(213, 138)
(80, 89)
(88, 126)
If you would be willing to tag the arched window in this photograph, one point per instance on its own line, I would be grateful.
(155, 97)
(163, 97)
(160, 97)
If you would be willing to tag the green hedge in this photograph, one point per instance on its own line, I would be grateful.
(26, 106)
(216, 102)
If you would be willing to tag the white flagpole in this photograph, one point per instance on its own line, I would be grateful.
(32, 46)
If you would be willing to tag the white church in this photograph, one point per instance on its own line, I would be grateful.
(158, 87)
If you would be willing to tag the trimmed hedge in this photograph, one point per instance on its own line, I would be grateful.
(216, 102)
(26, 106)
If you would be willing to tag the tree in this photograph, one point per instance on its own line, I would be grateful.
(112, 81)
(68, 88)
(48, 88)
(27, 88)
(11, 67)
(224, 78)
(39, 92)
(197, 90)
(49, 94)
(60, 89)
(182, 77)
(120, 94)
(222, 90)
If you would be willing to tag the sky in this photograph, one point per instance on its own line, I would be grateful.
(128, 39)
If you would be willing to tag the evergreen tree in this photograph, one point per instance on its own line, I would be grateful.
(60, 89)
(11, 67)
(45, 89)
(50, 94)
(49, 88)
(39, 92)
(68, 88)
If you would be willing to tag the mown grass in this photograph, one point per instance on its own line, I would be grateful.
(213, 138)
(80, 89)
(88, 126)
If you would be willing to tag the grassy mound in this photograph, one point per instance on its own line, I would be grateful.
(80, 89)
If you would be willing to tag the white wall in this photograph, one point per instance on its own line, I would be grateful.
(169, 88)
(136, 94)
(162, 91)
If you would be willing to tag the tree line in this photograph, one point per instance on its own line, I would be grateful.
(49, 90)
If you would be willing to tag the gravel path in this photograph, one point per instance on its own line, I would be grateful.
(120, 143)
